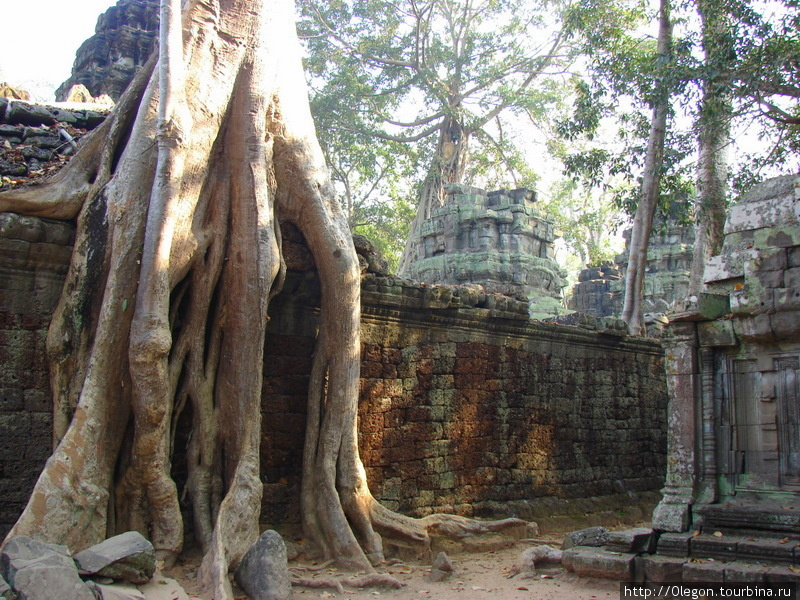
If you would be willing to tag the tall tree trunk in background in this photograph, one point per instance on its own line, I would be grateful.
(714, 124)
(447, 166)
(632, 312)
(178, 198)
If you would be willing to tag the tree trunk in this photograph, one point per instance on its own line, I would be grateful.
(714, 125)
(447, 166)
(632, 312)
(164, 309)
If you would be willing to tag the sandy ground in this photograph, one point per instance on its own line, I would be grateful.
(483, 576)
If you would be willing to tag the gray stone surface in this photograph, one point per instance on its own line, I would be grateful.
(662, 569)
(496, 239)
(591, 536)
(5, 590)
(638, 539)
(264, 570)
(124, 38)
(128, 556)
(596, 562)
(35, 570)
(20, 550)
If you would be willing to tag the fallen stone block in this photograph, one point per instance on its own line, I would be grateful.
(40, 577)
(595, 562)
(21, 550)
(591, 536)
(264, 570)
(128, 556)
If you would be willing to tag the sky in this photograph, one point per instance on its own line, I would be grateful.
(40, 38)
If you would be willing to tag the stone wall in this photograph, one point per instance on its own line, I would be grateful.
(466, 405)
(476, 410)
(34, 254)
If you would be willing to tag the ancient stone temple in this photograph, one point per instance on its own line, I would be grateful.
(496, 239)
(730, 511)
(124, 38)
(600, 291)
(733, 365)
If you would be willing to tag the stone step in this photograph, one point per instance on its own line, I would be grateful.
(730, 547)
(662, 569)
(771, 520)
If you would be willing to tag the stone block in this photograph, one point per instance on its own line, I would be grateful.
(696, 571)
(771, 212)
(743, 572)
(595, 562)
(755, 328)
(591, 536)
(787, 299)
(728, 266)
(710, 546)
(785, 236)
(636, 540)
(674, 544)
(785, 324)
(128, 556)
(793, 256)
(661, 569)
(751, 300)
(716, 333)
(756, 549)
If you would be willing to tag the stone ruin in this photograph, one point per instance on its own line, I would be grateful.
(600, 290)
(730, 511)
(496, 239)
(125, 36)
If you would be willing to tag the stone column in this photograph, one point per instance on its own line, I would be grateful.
(673, 513)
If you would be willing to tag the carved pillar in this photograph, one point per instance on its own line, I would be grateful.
(673, 513)
(708, 491)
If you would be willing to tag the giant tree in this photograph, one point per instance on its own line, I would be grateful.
(437, 70)
(178, 198)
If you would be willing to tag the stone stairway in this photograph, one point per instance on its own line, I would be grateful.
(715, 556)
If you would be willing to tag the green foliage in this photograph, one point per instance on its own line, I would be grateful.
(392, 81)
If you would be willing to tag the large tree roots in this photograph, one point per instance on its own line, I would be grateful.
(164, 311)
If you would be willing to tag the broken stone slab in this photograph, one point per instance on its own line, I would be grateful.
(591, 536)
(264, 570)
(21, 550)
(636, 540)
(128, 556)
(39, 577)
(441, 568)
(661, 569)
(595, 562)
(527, 562)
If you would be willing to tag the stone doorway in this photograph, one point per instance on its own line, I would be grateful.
(763, 422)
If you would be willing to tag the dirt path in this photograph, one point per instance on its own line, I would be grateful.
(478, 577)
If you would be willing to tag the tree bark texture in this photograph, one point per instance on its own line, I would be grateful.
(633, 310)
(178, 198)
(713, 138)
